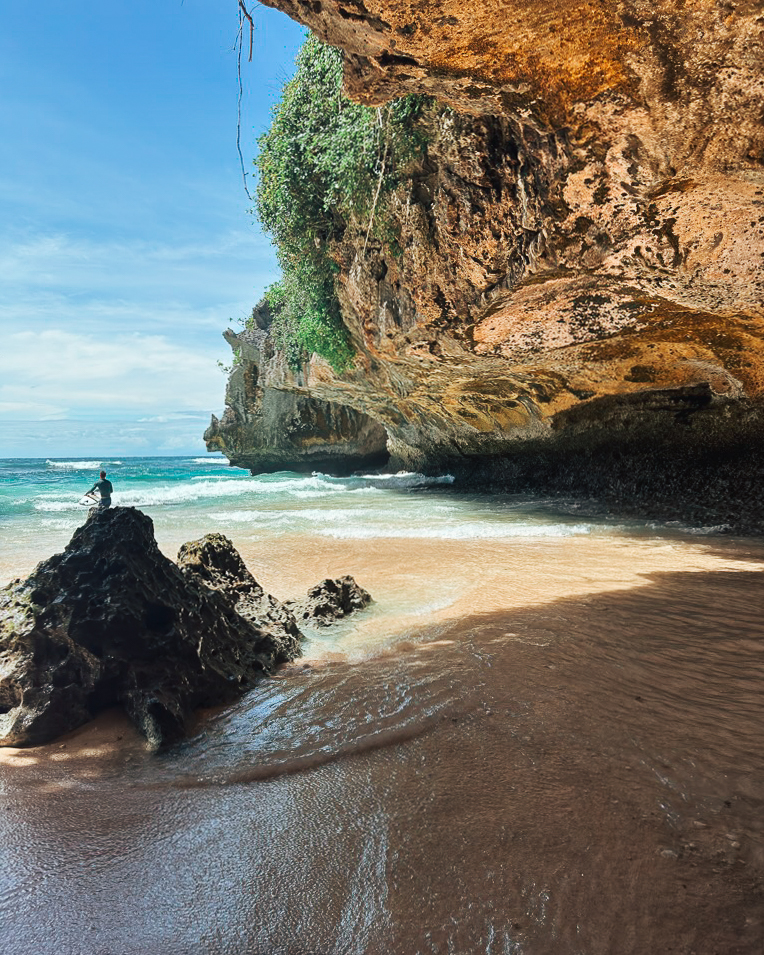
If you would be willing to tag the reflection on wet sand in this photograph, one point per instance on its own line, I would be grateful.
(580, 774)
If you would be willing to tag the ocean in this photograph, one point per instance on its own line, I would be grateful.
(424, 551)
(545, 736)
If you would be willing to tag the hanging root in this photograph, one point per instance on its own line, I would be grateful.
(247, 14)
(381, 175)
(239, 41)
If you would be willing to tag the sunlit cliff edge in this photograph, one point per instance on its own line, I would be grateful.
(576, 299)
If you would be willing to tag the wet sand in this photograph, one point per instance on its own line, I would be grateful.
(572, 774)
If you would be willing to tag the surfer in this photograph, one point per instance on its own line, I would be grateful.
(104, 488)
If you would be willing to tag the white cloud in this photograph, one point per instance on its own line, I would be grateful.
(115, 278)
(121, 328)
(59, 373)
(101, 439)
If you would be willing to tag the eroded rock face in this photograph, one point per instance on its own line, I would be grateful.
(585, 231)
(272, 422)
(215, 563)
(683, 61)
(330, 601)
(111, 621)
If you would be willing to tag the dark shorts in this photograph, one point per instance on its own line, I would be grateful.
(105, 502)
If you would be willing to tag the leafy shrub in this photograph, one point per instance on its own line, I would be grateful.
(325, 162)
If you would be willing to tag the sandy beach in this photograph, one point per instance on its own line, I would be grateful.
(538, 774)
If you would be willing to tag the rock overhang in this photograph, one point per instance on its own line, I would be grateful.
(588, 224)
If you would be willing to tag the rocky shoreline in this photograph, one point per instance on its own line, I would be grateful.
(567, 295)
(113, 622)
(697, 481)
(670, 454)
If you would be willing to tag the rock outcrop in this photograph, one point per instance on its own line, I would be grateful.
(268, 425)
(214, 563)
(578, 273)
(112, 621)
(330, 601)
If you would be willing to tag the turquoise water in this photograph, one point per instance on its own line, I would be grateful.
(40, 505)
(426, 552)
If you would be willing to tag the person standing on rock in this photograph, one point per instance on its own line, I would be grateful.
(104, 489)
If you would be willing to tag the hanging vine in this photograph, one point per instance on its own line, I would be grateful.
(326, 164)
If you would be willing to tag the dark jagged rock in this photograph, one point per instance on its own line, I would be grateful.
(112, 621)
(329, 601)
(214, 562)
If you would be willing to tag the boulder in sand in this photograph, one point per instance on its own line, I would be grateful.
(112, 621)
(329, 601)
(214, 562)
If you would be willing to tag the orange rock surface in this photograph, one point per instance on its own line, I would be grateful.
(588, 225)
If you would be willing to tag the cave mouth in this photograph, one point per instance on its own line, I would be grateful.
(334, 465)
(353, 464)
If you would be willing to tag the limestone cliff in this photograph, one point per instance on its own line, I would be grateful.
(272, 421)
(575, 297)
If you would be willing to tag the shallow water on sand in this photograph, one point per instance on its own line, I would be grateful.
(546, 736)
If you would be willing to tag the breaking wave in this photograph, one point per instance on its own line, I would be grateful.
(402, 480)
(82, 465)
(75, 465)
(203, 488)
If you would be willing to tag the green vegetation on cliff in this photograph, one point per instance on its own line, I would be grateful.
(324, 165)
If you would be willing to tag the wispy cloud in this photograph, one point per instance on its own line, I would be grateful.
(194, 273)
(61, 373)
(102, 439)
(126, 326)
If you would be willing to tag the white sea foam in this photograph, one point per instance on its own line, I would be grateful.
(76, 465)
(328, 515)
(161, 495)
(188, 493)
(215, 477)
(204, 490)
(714, 529)
(262, 518)
(466, 531)
(219, 462)
(302, 517)
(59, 524)
(174, 494)
(238, 517)
(401, 480)
(424, 610)
(314, 483)
(321, 485)
(308, 494)
(405, 478)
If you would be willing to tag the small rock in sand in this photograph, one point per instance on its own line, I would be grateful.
(329, 601)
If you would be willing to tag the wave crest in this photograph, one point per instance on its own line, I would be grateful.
(75, 465)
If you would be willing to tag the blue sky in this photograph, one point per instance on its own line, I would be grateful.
(126, 247)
